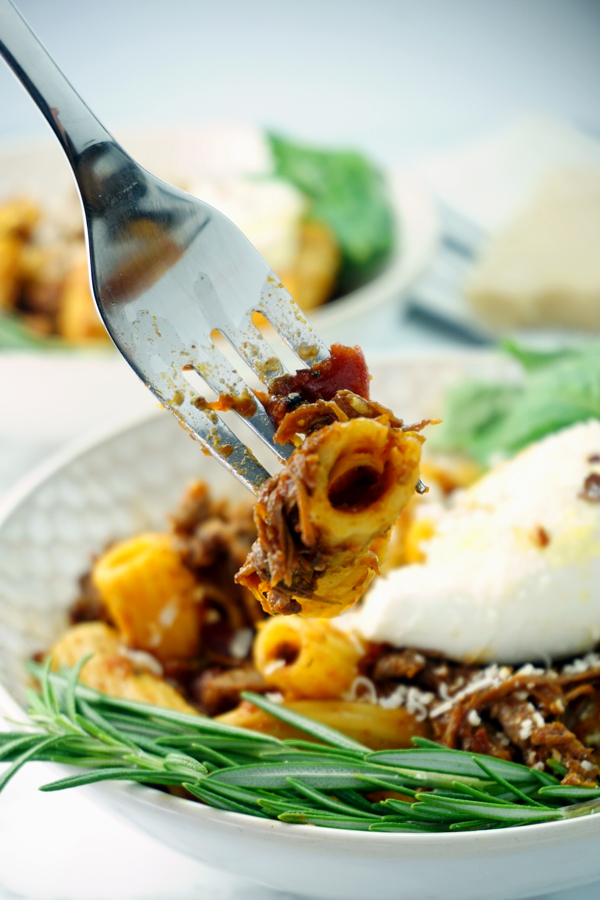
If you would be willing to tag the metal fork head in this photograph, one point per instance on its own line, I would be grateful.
(169, 270)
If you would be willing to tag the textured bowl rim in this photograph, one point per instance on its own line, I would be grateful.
(496, 841)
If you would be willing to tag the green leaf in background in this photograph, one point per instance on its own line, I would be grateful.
(349, 194)
(472, 409)
(14, 335)
(536, 359)
(486, 419)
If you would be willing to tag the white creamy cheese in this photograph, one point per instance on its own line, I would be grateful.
(513, 571)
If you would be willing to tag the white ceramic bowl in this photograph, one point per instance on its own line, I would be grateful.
(179, 154)
(127, 481)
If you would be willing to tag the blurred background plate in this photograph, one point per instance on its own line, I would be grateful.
(187, 156)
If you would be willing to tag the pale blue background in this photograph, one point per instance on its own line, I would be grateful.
(401, 78)
(397, 77)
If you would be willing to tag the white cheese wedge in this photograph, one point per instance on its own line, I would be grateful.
(513, 571)
(544, 267)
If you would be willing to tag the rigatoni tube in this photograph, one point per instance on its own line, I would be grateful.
(306, 657)
(150, 595)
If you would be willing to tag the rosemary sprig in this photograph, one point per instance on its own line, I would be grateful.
(327, 784)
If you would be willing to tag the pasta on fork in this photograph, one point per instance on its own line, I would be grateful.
(324, 522)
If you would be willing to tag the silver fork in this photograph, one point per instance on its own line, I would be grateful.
(167, 270)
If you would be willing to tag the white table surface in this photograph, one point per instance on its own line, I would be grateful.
(402, 79)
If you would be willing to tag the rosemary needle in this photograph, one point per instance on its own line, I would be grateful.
(325, 784)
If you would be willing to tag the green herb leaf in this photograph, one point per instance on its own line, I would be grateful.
(114, 773)
(492, 772)
(228, 804)
(323, 776)
(303, 723)
(32, 753)
(451, 762)
(406, 827)
(17, 743)
(302, 818)
(570, 792)
(496, 811)
(349, 194)
(560, 389)
(323, 800)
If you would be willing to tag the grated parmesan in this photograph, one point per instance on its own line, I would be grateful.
(474, 718)
(526, 729)
(273, 666)
(490, 677)
(415, 701)
(584, 664)
(143, 660)
(362, 688)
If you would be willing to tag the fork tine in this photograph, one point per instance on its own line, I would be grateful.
(282, 312)
(254, 349)
(221, 442)
(222, 378)
(209, 430)
(164, 376)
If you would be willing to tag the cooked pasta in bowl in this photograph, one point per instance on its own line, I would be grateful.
(127, 548)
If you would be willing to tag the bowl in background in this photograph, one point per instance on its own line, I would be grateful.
(182, 155)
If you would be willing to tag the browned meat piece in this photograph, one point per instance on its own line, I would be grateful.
(217, 692)
(484, 740)
(214, 538)
(399, 664)
(195, 506)
(307, 418)
(344, 369)
(555, 741)
(519, 719)
(584, 716)
(89, 606)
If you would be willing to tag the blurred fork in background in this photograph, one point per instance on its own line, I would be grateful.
(437, 301)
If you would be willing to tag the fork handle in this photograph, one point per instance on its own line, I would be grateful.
(73, 123)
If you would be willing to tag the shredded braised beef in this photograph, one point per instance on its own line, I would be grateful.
(545, 718)
(280, 555)
(88, 607)
(216, 691)
(213, 538)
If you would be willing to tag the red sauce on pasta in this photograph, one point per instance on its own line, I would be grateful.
(346, 369)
